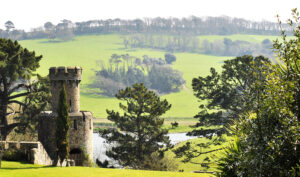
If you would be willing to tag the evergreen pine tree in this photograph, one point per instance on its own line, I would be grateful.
(17, 66)
(62, 127)
(140, 131)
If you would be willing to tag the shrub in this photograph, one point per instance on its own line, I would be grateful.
(14, 155)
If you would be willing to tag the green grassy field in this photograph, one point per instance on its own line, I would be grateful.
(18, 169)
(194, 164)
(85, 50)
(242, 37)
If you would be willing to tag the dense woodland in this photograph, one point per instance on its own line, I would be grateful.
(186, 26)
(192, 44)
(125, 70)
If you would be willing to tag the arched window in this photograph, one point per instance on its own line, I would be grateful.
(77, 155)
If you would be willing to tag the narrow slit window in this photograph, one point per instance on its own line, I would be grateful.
(90, 124)
(75, 125)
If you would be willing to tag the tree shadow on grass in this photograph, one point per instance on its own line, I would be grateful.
(51, 41)
(97, 95)
(30, 166)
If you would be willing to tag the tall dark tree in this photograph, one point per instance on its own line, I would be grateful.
(62, 127)
(224, 99)
(140, 131)
(17, 66)
(224, 91)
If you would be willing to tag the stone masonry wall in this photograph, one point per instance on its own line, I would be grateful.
(80, 132)
(34, 151)
(81, 135)
(70, 77)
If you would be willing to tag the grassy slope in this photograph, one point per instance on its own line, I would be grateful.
(17, 169)
(85, 50)
(249, 38)
(194, 164)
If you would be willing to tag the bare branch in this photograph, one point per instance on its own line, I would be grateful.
(18, 95)
(17, 102)
(10, 127)
(17, 87)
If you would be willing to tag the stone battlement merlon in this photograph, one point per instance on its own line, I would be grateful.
(65, 73)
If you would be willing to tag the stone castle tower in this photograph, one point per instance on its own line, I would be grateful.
(81, 128)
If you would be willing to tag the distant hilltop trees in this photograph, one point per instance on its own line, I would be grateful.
(192, 26)
(125, 70)
(192, 44)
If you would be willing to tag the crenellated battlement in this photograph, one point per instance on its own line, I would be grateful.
(65, 73)
(69, 77)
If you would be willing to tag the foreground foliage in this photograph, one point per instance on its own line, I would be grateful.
(224, 98)
(268, 134)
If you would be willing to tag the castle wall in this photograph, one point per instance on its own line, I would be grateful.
(46, 132)
(81, 128)
(34, 151)
(80, 132)
(73, 94)
(70, 77)
(81, 135)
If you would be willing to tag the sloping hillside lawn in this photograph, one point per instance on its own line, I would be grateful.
(85, 50)
(18, 169)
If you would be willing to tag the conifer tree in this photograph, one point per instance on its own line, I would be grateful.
(140, 131)
(17, 66)
(62, 127)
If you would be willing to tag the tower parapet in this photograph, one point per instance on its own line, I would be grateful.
(69, 77)
(65, 73)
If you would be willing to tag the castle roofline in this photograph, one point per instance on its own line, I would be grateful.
(65, 73)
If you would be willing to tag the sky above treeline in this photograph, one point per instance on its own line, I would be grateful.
(28, 14)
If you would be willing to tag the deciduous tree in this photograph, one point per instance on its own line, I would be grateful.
(269, 134)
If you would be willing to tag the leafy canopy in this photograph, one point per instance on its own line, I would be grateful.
(268, 134)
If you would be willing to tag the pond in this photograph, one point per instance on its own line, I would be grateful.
(99, 145)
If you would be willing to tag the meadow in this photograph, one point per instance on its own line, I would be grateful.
(84, 51)
(195, 163)
(19, 169)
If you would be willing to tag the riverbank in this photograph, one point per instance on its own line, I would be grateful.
(184, 124)
(100, 146)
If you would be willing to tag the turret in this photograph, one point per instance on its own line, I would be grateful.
(70, 77)
(81, 122)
